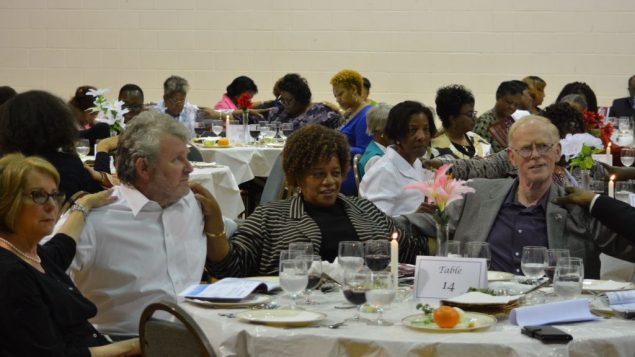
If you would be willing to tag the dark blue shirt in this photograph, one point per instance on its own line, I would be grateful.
(515, 227)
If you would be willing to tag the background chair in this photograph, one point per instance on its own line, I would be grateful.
(358, 177)
(160, 338)
(274, 186)
(194, 154)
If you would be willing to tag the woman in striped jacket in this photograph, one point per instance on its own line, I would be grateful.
(315, 159)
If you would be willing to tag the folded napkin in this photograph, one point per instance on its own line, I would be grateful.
(622, 300)
(479, 298)
(555, 312)
(610, 285)
(333, 270)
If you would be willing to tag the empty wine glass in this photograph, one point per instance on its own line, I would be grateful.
(267, 131)
(377, 254)
(627, 156)
(305, 247)
(350, 255)
(217, 127)
(568, 277)
(553, 255)
(314, 263)
(478, 250)
(285, 130)
(624, 124)
(83, 147)
(382, 292)
(356, 283)
(453, 249)
(293, 278)
(533, 262)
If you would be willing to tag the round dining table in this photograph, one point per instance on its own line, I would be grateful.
(229, 336)
(220, 181)
(245, 162)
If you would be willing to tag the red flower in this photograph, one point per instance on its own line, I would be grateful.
(244, 101)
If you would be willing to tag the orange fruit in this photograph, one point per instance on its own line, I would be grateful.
(223, 142)
(446, 317)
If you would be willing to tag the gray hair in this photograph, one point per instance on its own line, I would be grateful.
(175, 84)
(575, 98)
(142, 139)
(376, 118)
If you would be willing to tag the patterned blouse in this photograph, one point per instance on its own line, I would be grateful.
(318, 113)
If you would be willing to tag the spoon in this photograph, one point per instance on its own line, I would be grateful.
(336, 325)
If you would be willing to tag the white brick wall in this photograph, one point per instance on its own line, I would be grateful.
(408, 48)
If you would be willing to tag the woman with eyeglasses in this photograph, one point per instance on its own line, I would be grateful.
(39, 123)
(455, 107)
(43, 313)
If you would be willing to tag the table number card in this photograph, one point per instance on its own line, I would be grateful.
(446, 277)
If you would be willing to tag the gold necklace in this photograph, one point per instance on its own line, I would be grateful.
(36, 259)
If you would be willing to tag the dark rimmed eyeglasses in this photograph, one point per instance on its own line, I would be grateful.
(42, 197)
(541, 149)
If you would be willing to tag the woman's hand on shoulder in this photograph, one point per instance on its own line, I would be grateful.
(208, 203)
(98, 199)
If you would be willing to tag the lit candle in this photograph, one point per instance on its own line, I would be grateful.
(394, 258)
(612, 187)
(608, 149)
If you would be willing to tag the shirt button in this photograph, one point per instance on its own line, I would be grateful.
(70, 288)
(520, 231)
(95, 335)
(516, 254)
(517, 270)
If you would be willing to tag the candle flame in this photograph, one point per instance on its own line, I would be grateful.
(394, 235)
(612, 177)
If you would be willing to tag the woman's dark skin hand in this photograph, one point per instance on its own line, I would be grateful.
(621, 173)
(576, 196)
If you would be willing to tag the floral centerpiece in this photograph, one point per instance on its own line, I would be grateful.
(440, 192)
(578, 150)
(109, 112)
(594, 123)
(244, 103)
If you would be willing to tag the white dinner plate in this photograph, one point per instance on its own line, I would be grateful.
(282, 317)
(275, 145)
(480, 322)
(499, 276)
(251, 300)
(606, 285)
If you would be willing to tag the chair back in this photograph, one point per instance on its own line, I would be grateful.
(194, 154)
(274, 186)
(163, 338)
(358, 177)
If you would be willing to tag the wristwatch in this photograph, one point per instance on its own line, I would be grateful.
(78, 207)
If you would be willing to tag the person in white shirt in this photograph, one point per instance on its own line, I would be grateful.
(151, 243)
(174, 103)
(410, 125)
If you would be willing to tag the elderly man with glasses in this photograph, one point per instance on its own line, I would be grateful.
(510, 214)
(174, 103)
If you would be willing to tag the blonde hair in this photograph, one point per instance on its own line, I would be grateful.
(14, 170)
(348, 78)
(533, 118)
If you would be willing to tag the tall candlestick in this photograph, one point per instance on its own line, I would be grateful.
(612, 187)
(394, 258)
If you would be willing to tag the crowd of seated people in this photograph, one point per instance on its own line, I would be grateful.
(149, 234)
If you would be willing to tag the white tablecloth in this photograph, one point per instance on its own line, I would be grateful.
(231, 337)
(220, 182)
(244, 162)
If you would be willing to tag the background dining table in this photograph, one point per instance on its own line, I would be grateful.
(220, 181)
(245, 162)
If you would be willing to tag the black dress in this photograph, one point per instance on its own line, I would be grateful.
(73, 174)
(44, 314)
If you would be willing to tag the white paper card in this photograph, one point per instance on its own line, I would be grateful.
(447, 277)
(607, 159)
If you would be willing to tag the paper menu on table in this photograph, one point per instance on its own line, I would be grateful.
(228, 289)
(622, 300)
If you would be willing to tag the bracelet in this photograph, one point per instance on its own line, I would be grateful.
(214, 236)
(79, 208)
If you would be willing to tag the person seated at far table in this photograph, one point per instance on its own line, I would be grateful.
(410, 126)
(315, 160)
(510, 214)
(43, 312)
(295, 97)
(229, 102)
(625, 107)
(376, 125)
(455, 107)
(536, 87)
(89, 128)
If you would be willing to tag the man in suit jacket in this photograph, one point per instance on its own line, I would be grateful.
(625, 107)
(513, 213)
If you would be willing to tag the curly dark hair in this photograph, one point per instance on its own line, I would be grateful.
(449, 101)
(565, 118)
(297, 86)
(309, 146)
(241, 85)
(399, 118)
(580, 88)
(81, 100)
(35, 123)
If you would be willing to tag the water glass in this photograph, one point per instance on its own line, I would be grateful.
(453, 249)
(553, 255)
(356, 283)
(568, 278)
(377, 253)
(83, 147)
(217, 127)
(350, 255)
(293, 277)
(478, 250)
(381, 292)
(627, 156)
(624, 124)
(534, 262)
(285, 130)
(305, 247)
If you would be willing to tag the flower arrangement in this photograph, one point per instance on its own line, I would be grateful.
(109, 112)
(442, 191)
(578, 148)
(244, 103)
(594, 123)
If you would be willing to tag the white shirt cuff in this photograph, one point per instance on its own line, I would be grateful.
(593, 202)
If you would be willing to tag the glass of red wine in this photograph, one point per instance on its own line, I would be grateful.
(356, 283)
(554, 255)
(377, 254)
(314, 262)
(254, 131)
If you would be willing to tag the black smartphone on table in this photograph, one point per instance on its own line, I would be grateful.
(547, 334)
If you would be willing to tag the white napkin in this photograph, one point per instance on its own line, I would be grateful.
(479, 298)
(555, 312)
(333, 270)
(610, 285)
(519, 114)
(622, 300)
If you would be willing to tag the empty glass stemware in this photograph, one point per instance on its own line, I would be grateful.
(478, 250)
(350, 255)
(453, 249)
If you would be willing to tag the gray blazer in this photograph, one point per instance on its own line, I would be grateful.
(570, 227)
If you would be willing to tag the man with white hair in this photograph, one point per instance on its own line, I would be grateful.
(175, 103)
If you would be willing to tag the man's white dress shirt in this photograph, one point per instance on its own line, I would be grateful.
(384, 184)
(187, 116)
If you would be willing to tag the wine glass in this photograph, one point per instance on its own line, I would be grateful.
(306, 248)
(314, 263)
(568, 277)
(624, 124)
(350, 255)
(627, 156)
(354, 289)
(381, 292)
(533, 262)
(286, 129)
(478, 250)
(268, 132)
(254, 131)
(217, 127)
(294, 278)
(377, 254)
(553, 255)
(83, 147)
(453, 249)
